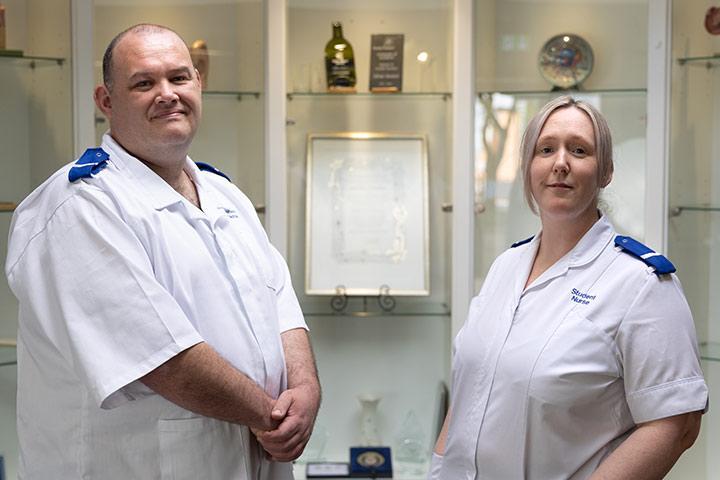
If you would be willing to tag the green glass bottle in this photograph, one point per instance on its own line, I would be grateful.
(339, 62)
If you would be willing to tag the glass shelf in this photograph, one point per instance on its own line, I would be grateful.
(376, 313)
(8, 354)
(710, 351)
(230, 93)
(568, 92)
(32, 60)
(709, 61)
(442, 95)
(675, 211)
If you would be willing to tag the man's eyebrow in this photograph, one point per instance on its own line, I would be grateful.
(180, 70)
(146, 73)
(142, 73)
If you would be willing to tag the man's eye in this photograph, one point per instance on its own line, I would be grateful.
(181, 78)
(142, 84)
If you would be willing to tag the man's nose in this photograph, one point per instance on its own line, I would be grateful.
(166, 93)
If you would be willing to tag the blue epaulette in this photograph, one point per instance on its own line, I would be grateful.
(629, 245)
(522, 242)
(206, 167)
(89, 164)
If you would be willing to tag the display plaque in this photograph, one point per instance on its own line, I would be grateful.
(367, 214)
(327, 470)
(386, 62)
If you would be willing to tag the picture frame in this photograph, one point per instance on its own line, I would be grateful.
(367, 230)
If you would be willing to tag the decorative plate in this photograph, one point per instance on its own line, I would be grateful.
(712, 20)
(565, 60)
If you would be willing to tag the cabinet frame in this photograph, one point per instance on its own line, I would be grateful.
(463, 94)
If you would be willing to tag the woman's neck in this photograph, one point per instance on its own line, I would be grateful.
(558, 237)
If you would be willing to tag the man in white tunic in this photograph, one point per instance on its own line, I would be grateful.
(159, 333)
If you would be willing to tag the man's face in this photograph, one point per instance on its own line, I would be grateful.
(154, 104)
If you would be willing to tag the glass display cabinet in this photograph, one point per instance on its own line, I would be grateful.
(694, 198)
(400, 355)
(509, 43)
(36, 134)
(470, 79)
(231, 134)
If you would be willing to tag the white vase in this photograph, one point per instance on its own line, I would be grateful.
(368, 421)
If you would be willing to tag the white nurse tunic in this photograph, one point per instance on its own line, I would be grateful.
(115, 274)
(549, 379)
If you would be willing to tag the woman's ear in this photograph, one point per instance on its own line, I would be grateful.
(608, 178)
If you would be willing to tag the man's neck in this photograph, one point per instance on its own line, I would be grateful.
(169, 164)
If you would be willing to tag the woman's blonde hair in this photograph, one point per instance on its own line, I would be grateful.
(603, 141)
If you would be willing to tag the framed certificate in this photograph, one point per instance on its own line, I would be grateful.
(367, 214)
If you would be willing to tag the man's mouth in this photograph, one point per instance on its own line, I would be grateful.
(168, 114)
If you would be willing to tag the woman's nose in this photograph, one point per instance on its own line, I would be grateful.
(561, 162)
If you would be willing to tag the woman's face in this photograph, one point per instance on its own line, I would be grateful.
(564, 171)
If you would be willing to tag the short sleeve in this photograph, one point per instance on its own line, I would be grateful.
(661, 365)
(89, 286)
(290, 314)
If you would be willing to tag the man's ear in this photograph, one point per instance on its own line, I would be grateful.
(102, 100)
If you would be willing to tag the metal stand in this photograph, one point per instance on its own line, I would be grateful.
(385, 301)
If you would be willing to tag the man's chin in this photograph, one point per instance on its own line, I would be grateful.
(174, 135)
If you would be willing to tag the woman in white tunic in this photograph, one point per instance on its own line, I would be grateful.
(579, 357)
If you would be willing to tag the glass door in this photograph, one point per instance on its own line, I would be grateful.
(230, 35)
(694, 198)
(398, 353)
(513, 39)
(36, 137)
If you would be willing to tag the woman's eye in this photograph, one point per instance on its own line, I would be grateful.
(545, 150)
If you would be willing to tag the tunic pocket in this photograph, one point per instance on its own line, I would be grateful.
(202, 447)
(579, 365)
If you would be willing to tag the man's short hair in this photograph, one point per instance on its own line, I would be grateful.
(141, 28)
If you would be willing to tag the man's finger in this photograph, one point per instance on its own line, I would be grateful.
(285, 431)
(286, 451)
(281, 406)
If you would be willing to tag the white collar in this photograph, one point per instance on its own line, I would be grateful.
(160, 193)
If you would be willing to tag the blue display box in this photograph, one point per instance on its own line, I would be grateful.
(372, 462)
